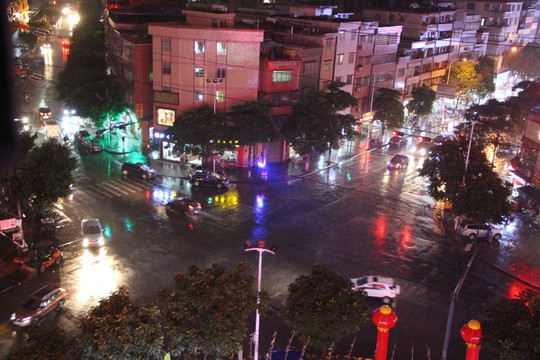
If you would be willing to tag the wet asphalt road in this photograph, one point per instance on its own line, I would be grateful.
(357, 218)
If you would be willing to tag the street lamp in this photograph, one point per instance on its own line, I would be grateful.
(475, 120)
(260, 249)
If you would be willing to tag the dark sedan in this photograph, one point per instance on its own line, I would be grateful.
(398, 162)
(397, 141)
(183, 206)
(204, 178)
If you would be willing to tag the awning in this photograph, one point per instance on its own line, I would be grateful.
(530, 192)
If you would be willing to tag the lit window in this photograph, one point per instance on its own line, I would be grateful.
(166, 68)
(340, 59)
(199, 47)
(326, 66)
(281, 75)
(165, 117)
(199, 71)
(341, 36)
(166, 45)
(198, 95)
(220, 96)
(221, 48)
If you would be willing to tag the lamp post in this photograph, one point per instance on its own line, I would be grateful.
(474, 119)
(260, 249)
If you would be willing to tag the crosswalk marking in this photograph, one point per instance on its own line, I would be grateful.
(126, 184)
(115, 187)
(107, 193)
(139, 185)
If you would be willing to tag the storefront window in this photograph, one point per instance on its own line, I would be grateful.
(169, 152)
(165, 117)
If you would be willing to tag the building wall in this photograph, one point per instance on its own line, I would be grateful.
(182, 81)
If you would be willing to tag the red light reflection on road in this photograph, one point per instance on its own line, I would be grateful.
(515, 289)
(380, 229)
(406, 238)
(147, 195)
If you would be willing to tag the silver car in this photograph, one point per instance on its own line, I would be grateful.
(92, 233)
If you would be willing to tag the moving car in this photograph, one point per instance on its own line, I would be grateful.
(377, 287)
(204, 178)
(45, 113)
(423, 148)
(439, 139)
(398, 161)
(39, 304)
(473, 229)
(184, 206)
(138, 170)
(397, 141)
(92, 233)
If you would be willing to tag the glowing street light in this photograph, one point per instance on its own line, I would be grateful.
(260, 249)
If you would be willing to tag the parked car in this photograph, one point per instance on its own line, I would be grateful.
(398, 161)
(377, 287)
(203, 178)
(473, 230)
(81, 136)
(183, 206)
(39, 304)
(94, 145)
(397, 141)
(92, 233)
(138, 170)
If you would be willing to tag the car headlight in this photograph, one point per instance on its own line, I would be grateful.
(26, 319)
(13, 316)
(422, 151)
(101, 241)
(85, 242)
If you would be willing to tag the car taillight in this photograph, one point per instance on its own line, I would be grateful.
(190, 207)
(199, 204)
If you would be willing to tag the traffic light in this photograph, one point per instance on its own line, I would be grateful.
(398, 133)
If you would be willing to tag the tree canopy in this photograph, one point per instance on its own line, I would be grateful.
(323, 307)
(316, 124)
(43, 343)
(485, 68)
(477, 193)
(526, 61)
(207, 310)
(388, 107)
(120, 328)
(466, 79)
(512, 328)
(251, 123)
(44, 175)
(422, 101)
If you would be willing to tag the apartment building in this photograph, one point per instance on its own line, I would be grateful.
(129, 57)
(196, 65)
(528, 22)
(425, 46)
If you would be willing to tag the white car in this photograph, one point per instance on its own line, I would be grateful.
(472, 230)
(92, 233)
(377, 287)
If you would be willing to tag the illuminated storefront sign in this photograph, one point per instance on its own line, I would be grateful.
(165, 117)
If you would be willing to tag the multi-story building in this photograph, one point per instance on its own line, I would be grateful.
(528, 22)
(196, 65)
(501, 19)
(425, 46)
(129, 57)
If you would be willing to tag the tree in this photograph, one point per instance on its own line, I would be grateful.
(44, 175)
(120, 328)
(28, 38)
(323, 307)
(388, 108)
(477, 193)
(316, 124)
(208, 308)
(45, 343)
(485, 68)
(526, 61)
(201, 132)
(512, 328)
(466, 79)
(252, 124)
(422, 101)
